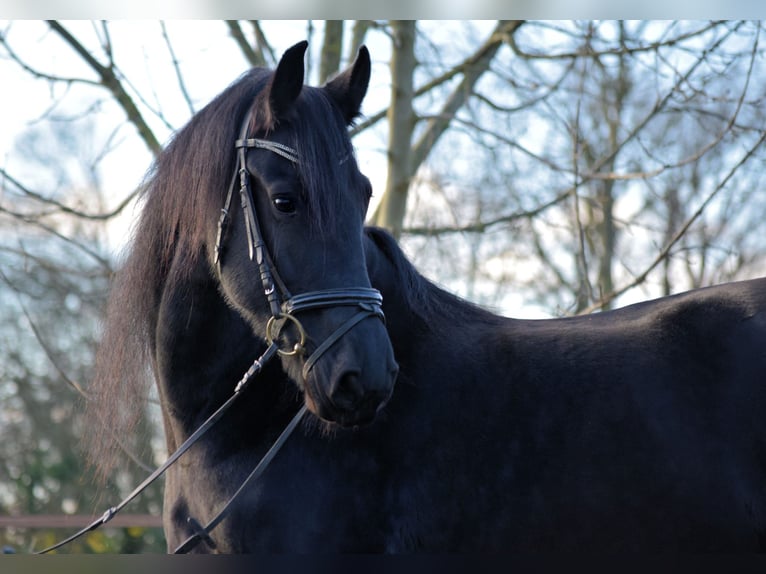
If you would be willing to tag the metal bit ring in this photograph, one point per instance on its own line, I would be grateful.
(272, 335)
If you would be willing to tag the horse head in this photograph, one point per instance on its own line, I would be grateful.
(291, 260)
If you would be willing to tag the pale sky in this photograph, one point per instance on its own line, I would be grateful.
(209, 60)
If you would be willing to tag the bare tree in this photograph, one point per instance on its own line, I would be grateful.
(567, 166)
(405, 156)
(54, 278)
(574, 131)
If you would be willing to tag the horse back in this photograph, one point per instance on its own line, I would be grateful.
(642, 427)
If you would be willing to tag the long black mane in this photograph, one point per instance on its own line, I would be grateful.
(428, 301)
(182, 194)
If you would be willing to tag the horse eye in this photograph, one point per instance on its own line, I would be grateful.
(284, 204)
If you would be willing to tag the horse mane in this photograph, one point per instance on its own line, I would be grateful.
(428, 301)
(182, 193)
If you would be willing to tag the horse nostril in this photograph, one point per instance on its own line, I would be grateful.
(347, 391)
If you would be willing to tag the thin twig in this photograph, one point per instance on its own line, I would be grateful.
(62, 208)
(177, 68)
(62, 373)
(589, 52)
(111, 82)
(33, 221)
(482, 226)
(606, 299)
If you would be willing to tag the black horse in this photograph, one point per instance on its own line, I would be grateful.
(636, 429)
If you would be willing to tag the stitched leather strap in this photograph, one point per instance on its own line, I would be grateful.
(333, 298)
(336, 335)
(202, 533)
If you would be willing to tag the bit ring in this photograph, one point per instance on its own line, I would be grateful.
(272, 334)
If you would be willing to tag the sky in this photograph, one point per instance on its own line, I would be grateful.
(208, 67)
(423, 9)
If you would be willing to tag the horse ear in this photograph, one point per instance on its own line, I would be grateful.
(350, 86)
(287, 82)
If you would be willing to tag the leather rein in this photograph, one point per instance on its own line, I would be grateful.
(283, 307)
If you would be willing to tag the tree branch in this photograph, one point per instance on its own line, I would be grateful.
(665, 252)
(62, 208)
(424, 89)
(177, 68)
(474, 68)
(253, 58)
(110, 81)
(589, 52)
(482, 226)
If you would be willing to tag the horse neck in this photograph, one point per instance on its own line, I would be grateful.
(202, 349)
(420, 316)
(406, 322)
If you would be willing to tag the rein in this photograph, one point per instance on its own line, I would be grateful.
(368, 300)
(187, 444)
(203, 532)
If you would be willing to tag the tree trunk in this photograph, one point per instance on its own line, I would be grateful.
(329, 63)
(401, 122)
(403, 160)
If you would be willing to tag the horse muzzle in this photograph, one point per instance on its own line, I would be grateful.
(350, 386)
(352, 401)
(349, 376)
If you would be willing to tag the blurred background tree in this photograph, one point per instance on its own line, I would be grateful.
(538, 168)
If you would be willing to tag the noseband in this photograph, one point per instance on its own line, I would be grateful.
(283, 305)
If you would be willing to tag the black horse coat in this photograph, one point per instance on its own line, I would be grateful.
(639, 429)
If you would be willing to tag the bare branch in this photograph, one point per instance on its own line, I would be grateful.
(40, 340)
(479, 63)
(62, 208)
(111, 82)
(588, 52)
(424, 89)
(177, 69)
(262, 45)
(482, 226)
(665, 252)
(35, 221)
(37, 73)
(659, 105)
(253, 57)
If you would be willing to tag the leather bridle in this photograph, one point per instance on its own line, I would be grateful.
(282, 304)
(283, 307)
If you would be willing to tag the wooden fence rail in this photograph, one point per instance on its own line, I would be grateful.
(79, 521)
